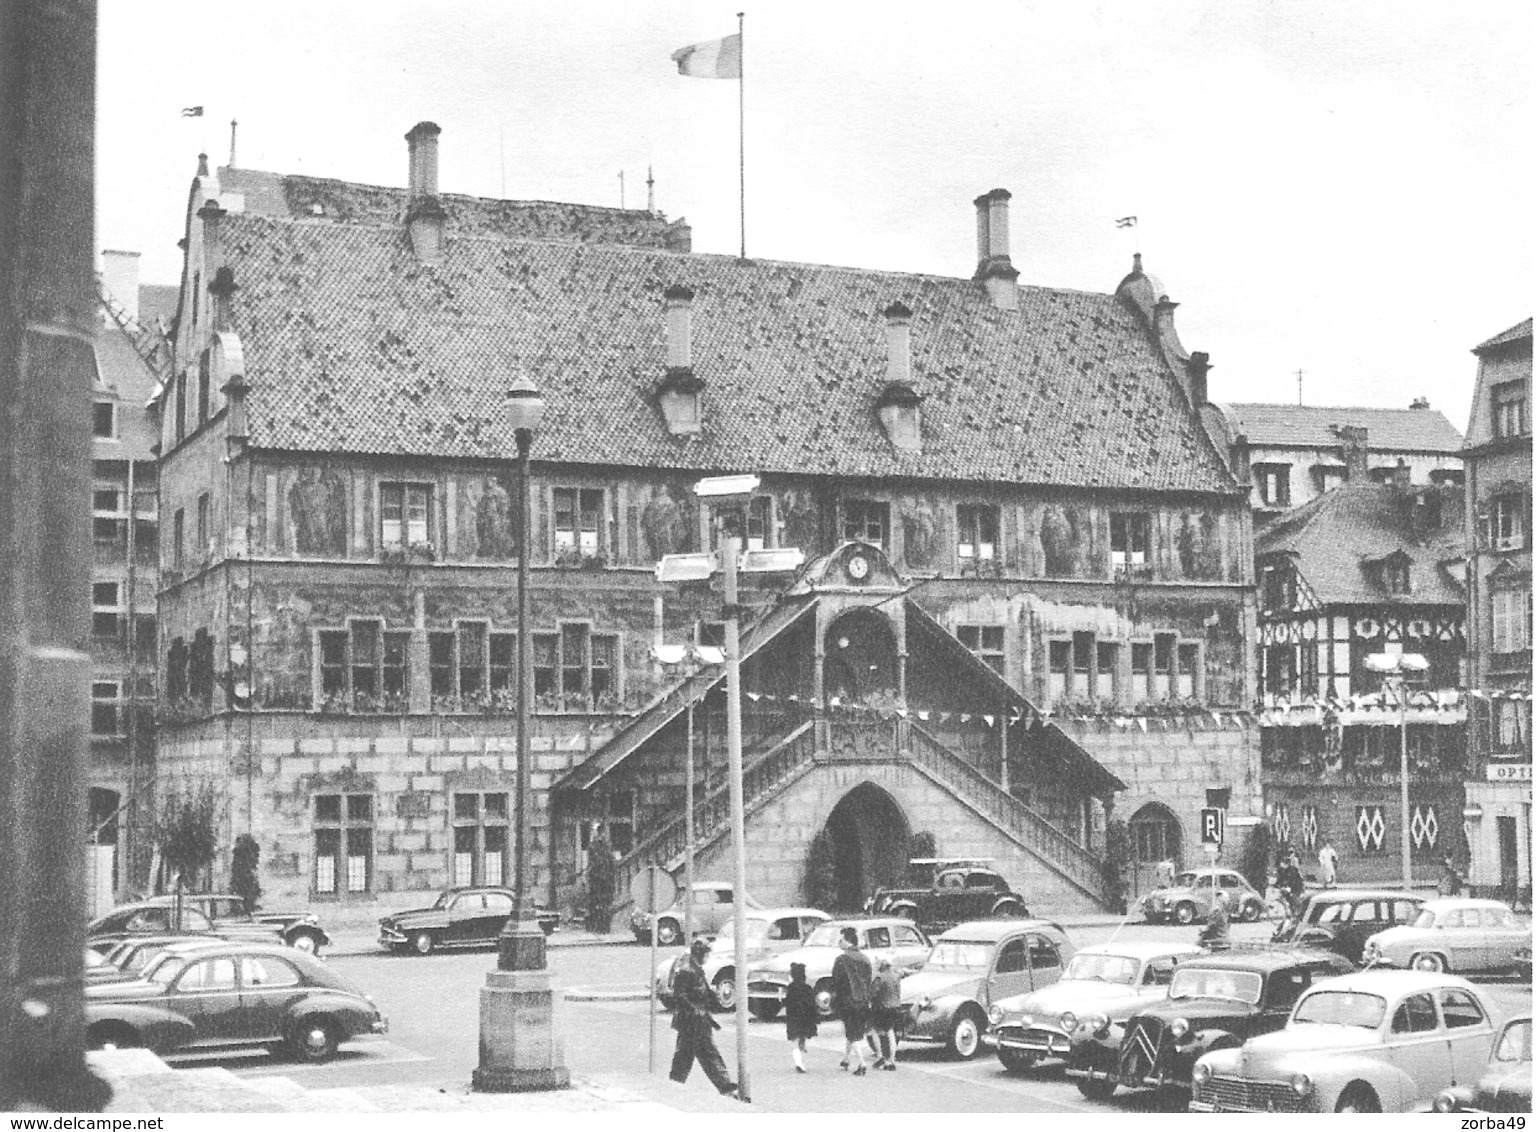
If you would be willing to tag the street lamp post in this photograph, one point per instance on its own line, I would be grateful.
(519, 1050)
(1394, 668)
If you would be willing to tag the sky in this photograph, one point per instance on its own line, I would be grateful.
(1339, 188)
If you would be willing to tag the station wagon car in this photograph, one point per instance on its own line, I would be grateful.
(1374, 1041)
(197, 996)
(459, 917)
(769, 931)
(971, 967)
(714, 905)
(1216, 1002)
(1341, 920)
(881, 937)
(1102, 984)
(1505, 1085)
(1455, 934)
(1193, 893)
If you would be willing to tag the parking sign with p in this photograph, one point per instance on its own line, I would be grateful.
(1213, 825)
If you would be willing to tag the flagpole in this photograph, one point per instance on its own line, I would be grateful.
(741, 127)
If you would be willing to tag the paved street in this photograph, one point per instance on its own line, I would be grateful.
(433, 1010)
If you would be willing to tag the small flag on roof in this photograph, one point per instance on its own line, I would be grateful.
(1126, 222)
(191, 111)
(717, 59)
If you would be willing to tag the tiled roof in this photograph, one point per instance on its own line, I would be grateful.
(352, 345)
(1336, 537)
(1513, 334)
(1312, 426)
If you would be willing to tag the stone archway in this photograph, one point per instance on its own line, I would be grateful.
(869, 836)
(861, 660)
(1155, 835)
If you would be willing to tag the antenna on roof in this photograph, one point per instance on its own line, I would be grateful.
(232, 125)
(1298, 385)
(621, 188)
(650, 189)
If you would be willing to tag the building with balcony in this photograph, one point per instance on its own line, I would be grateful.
(1497, 457)
(1026, 607)
(1363, 569)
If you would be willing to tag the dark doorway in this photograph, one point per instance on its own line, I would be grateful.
(860, 658)
(1509, 859)
(869, 837)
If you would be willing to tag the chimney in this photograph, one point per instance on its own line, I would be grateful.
(1354, 440)
(1199, 366)
(994, 267)
(899, 407)
(680, 392)
(424, 215)
(120, 277)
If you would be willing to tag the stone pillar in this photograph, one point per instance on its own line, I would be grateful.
(420, 667)
(519, 1049)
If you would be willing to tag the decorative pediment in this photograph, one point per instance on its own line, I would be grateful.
(861, 565)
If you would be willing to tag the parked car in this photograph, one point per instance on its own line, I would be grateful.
(713, 905)
(954, 890)
(971, 967)
(1505, 1085)
(129, 957)
(156, 918)
(1215, 1002)
(881, 937)
(1104, 983)
(1374, 1041)
(459, 917)
(1341, 920)
(1193, 893)
(1455, 934)
(200, 995)
(299, 929)
(769, 931)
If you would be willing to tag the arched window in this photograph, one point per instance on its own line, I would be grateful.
(1155, 834)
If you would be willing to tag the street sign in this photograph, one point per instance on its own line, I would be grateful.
(1213, 825)
(653, 890)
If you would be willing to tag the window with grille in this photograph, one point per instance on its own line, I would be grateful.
(106, 708)
(404, 515)
(575, 669)
(104, 420)
(865, 520)
(363, 667)
(108, 517)
(1509, 413)
(480, 837)
(986, 641)
(106, 611)
(1511, 610)
(1130, 541)
(578, 520)
(343, 836)
(977, 523)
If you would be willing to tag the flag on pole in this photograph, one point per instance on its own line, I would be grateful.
(191, 111)
(1126, 222)
(717, 59)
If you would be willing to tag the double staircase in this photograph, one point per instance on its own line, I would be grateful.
(777, 764)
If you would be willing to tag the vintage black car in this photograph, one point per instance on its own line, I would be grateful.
(1506, 1084)
(954, 891)
(1341, 920)
(1217, 1002)
(206, 995)
(299, 929)
(158, 917)
(459, 917)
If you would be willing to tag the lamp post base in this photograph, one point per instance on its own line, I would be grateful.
(519, 1050)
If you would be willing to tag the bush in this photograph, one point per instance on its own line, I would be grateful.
(821, 873)
(1257, 856)
(1117, 858)
(600, 881)
(187, 831)
(243, 879)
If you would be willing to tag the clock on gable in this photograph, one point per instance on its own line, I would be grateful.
(858, 567)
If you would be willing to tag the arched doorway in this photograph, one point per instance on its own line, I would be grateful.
(868, 835)
(1155, 835)
(860, 651)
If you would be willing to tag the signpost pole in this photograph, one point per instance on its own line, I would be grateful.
(650, 882)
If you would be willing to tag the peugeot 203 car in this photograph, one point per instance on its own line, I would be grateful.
(196, 996)
(1374, 1041)
(1216, 1002)
(973, 966)
(880, 937)
(1102, 984)
(1455, 934)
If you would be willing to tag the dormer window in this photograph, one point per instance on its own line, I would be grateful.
(899, 409)
(680, 395)
(1509, 414)
(1396, 575)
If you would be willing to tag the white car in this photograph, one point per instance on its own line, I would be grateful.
(1374, 1041)
(1455, 934)
(880, 937)
(769, 931)
(1107, 982)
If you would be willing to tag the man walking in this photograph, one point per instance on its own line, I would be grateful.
(852, 975)
(1328, 864)
(693, 1004)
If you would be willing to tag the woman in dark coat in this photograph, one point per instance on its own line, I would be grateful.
(799, 1013)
